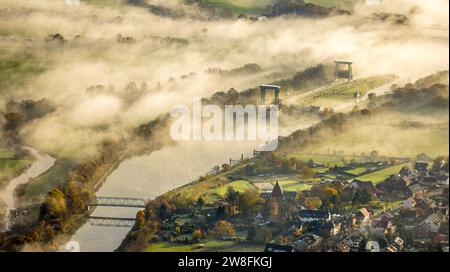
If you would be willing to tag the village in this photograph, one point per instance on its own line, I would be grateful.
(325, 210)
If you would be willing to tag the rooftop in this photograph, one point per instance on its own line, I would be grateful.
(276, 192)
(324, 214)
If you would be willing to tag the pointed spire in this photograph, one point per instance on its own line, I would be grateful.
(277, 192)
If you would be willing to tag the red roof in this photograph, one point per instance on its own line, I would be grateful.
(364, 212)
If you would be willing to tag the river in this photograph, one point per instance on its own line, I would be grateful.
(149, 176)
(42, 163)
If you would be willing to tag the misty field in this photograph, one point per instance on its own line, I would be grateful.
(334, 3)
(251, 7)
(386, 134)
(9, 168)
(93, 84)
(345, 92)
(35, 190)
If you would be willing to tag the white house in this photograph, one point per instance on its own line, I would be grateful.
(314, 215)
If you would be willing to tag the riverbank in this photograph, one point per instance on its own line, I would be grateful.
(42, 163)
(7, 173)
(12, 168)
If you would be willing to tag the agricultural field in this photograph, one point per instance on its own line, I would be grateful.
(328, 160)
(238, 185)
(429, 133)
(255, 7)
(237, 7)
(357, 171)
(345, 92)
(345, 4)
(207, 246)
(379, 176)
(297, 187)
(18, 70)
(286, 185)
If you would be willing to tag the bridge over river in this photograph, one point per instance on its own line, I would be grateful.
(107, 201)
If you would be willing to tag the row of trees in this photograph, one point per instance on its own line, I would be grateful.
(19, 113)
(61, 204)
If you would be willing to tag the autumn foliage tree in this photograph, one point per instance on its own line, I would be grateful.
(224, 228)
(197, 235)
(250, 202)
(306, 172)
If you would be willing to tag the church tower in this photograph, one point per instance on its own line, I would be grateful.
(276, 211)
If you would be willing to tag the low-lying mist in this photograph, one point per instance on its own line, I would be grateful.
(166, 57)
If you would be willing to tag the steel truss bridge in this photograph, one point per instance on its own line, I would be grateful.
(111, 221)
(127, 202)
(106, 201)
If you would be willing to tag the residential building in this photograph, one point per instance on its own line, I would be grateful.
(314, 215)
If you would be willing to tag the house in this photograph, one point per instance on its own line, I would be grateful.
(362, 215)
(430, 225)
(313, 164)
(365, 186)
(356, 244)
(409, 203)
(347, 222)
(395, 186)
(314, 215)
(289, 195)
(344, 245)
(266, 195)
(429, 181)
(372, 246)
(391, 248)
(329, 229)
(422, 157)
(315, 109)
(308, 242)
(409, 214)
(421, 167)
(387, 226)
(278, 248)
(259, 219)
(442, 180)
(406, 179)
(404, 172)
(398, 243)
(443, 169)
(417, 190)
(445, 192)
(426, 204)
